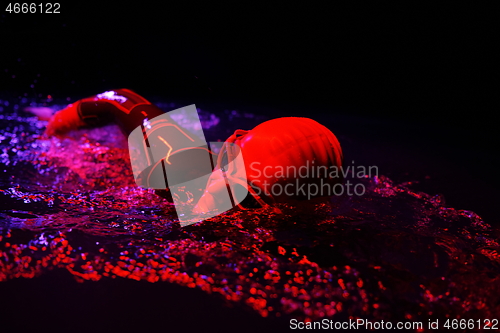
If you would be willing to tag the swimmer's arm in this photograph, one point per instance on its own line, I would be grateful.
(121, 106)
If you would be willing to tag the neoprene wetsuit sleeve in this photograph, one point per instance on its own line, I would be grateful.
(176, 149)
(122, 106)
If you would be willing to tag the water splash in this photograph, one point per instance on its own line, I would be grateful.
(392, 254)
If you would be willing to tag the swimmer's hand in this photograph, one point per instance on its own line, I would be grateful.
(59, 123)
(64, 121)
(42, 112)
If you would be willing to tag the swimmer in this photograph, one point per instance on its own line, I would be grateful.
(284, 143)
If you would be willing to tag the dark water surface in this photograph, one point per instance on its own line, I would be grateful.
(83, 248)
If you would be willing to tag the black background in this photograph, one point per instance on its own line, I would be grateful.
(427, 64)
